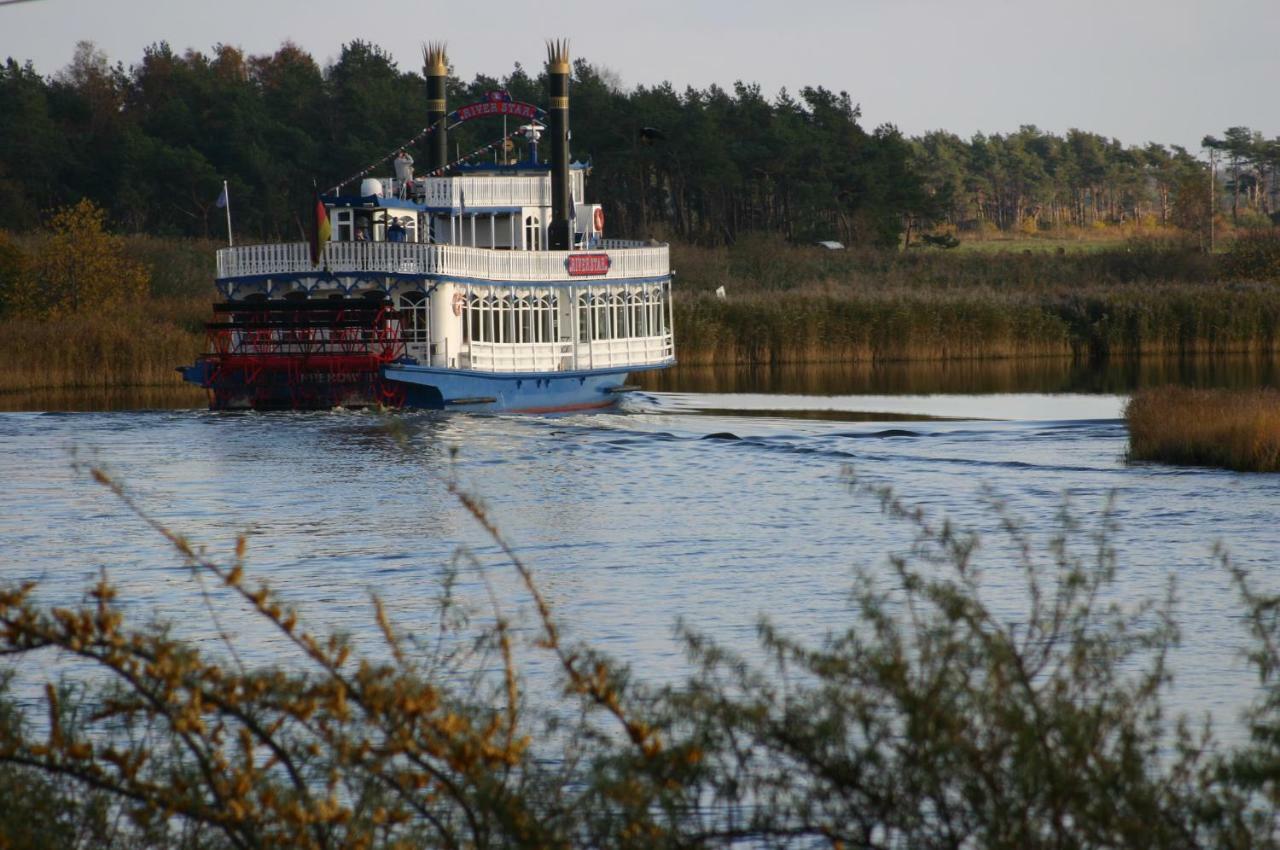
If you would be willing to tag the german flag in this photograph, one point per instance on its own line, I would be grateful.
(320, 231)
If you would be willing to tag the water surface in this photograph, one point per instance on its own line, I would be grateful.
(715, 504)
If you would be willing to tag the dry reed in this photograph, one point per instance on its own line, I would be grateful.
(1234, 429)
(135, 345)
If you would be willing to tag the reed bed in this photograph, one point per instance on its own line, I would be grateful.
(856, 324)
(1233, 429)
(134, 345)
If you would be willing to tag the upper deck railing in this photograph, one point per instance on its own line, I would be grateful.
(627, 260)
(493, 191)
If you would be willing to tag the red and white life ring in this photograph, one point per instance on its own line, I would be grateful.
(599, 219)
(458, 300)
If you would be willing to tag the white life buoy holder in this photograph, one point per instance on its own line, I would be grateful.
(458, 300)
(599, 219)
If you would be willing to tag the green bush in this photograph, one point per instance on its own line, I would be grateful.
(932, 721)
(1254, 256)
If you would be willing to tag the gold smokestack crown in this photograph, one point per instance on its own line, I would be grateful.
(434, 58)
(558, 56)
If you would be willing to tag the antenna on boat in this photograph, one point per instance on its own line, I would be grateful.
(436, 64)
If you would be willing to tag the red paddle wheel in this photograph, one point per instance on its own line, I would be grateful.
(302, 355)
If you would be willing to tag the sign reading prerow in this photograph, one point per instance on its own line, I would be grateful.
(585, 264)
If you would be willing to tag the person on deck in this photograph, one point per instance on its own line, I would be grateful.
(404, 172)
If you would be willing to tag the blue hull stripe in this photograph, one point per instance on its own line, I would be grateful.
(510, 391)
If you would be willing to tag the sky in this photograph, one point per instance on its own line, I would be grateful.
(1170, 71)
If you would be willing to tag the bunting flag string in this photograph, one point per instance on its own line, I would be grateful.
(475, 153)
(422, 134)
(426, 131)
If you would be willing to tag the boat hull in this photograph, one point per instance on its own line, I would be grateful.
(509, 392)
(406, 385)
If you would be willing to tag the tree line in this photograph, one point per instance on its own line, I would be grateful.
(152, 142)
(1033, 179)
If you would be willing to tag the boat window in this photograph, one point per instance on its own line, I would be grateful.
(414, 316)
(618, 307)
(584, 318)
(523, 321)
(343, 231)
(548, 319)
(490, 318)
(502, 319)
(532, 233)
(600, 325)
(473, 317)
(639, 317)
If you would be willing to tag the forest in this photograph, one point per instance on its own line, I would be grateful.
(152, 142)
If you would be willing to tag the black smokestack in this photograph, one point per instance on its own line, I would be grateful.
(437, 67)
(560, 229)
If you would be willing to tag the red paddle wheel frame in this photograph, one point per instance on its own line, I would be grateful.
(303, 355)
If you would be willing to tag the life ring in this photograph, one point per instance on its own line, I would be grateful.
(599, 219)
(458, 300)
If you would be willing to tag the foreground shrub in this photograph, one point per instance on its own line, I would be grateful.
(1255, 256)
(1234, 429)
(931, 721)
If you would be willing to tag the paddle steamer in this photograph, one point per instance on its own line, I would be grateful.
(479, 288)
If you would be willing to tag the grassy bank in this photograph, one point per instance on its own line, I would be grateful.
(1234, 429)
(769, 263)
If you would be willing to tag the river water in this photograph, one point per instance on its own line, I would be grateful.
(714, 498)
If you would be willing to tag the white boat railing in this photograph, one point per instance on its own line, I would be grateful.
(626, 261)
(615, 244)
(565, 356)
(485, 191)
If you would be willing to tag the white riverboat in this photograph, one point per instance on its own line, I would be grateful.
(483, 287)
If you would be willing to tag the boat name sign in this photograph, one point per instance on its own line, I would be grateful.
(489, 107)
(585, 264)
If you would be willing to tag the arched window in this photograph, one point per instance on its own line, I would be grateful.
(618, 305)
(414, 316)
(584, 318)
(502, 320)
(600, 326)
(523, 320)
(532, 233)
(548, 319)
(639, 315)
(472, 319)
(492, 319)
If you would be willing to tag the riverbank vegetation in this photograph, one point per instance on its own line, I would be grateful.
(106, 310)
(81, 307)
(1233, 429)
(1149, 296)
(932, 721)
